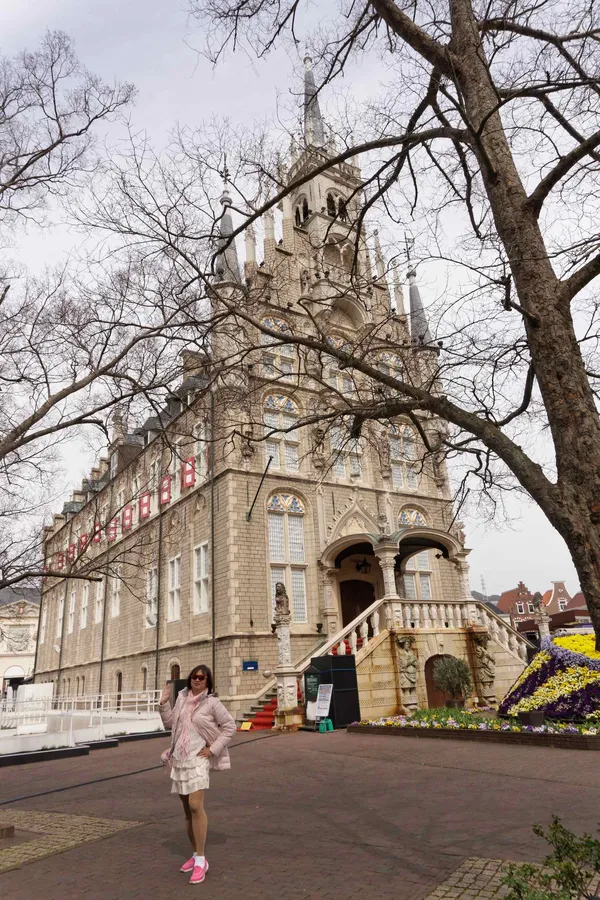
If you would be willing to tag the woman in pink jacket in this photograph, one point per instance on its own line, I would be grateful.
(201, 728)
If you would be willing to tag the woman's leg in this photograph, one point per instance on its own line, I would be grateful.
(199, 820)
(188, 820)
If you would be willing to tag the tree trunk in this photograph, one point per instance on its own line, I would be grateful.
(574, 508)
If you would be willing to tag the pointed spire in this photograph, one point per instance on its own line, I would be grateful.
(227, 265)
(250, 240)
(314, 129)
(379, 260)
(398, 295)
(419, 327)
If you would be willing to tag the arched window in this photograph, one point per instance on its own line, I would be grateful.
(417, 577)
(390, 364)
(339, 379)
(175, 671)
(402, 444)
(346, 453)
(305, 210)
(77, 686)
(412, 518)
(331, 210)
(298, 217)
(144, 678)
(83, 685)
(287, 559)
(348, 259)
(342, 210)
(281, 413)
(331, 258)
(278, 361)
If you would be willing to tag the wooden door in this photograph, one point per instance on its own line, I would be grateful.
(356, 596)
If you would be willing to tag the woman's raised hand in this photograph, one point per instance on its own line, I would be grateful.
(166, 694)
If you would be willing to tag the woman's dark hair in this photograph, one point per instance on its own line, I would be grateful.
(207, 672)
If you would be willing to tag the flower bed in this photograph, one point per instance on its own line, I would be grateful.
(470, 720)
(562, 680)
(469, 725)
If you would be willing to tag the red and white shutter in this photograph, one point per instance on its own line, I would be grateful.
(127, 518)
(165, 490)
(111, 530)
(60, 560)
(97, 532)
(188, 472)
(83, 542)
(145, 501)
(71, 552)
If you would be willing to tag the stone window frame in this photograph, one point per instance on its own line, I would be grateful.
(288, 505)
(174, 588)
(279, 445)
(401, 462)
(201, 585)
(277, 359)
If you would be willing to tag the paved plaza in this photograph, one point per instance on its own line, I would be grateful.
(299, 816)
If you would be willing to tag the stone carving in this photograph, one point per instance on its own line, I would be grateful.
(537, 602)
(485, 662)
(542, 619)
(408, 667)
(282, 604)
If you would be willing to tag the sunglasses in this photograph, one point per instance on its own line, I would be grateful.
(198, 678)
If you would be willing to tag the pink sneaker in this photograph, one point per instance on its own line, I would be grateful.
(188, 866)
(199, 874)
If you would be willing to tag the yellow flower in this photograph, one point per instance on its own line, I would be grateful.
(579, 643)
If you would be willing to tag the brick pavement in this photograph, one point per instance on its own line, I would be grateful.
(303, 816)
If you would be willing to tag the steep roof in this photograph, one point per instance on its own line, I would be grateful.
(577, 601)
(515, 595)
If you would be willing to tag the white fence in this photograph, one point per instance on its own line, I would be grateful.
(66, 721)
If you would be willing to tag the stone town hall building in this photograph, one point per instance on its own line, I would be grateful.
(187, 536)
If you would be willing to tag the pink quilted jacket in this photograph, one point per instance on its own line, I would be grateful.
(212, 721)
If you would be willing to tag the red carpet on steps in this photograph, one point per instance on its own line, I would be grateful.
(263, 720)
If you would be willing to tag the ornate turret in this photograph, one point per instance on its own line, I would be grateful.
(227, 266)
(314, 129)
(419, 326)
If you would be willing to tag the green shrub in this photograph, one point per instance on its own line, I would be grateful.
(453, 676)
(566, 873)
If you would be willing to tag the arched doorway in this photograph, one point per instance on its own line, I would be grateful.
(355, 597)
(175, 672)
(119, 689)
(435, 697)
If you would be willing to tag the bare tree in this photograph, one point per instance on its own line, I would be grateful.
(491, 118)
(75, 339)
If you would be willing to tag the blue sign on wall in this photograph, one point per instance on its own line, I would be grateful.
(250, 665)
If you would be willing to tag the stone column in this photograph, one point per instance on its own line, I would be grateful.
(288, 716)
(386, 554)
(330, 606)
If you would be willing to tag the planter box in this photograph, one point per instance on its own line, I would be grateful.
(535, 718)
(562, 741)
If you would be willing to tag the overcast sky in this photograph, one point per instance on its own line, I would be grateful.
(151, 44)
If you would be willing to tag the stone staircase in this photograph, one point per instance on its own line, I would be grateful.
(360, 635)
(262, 713)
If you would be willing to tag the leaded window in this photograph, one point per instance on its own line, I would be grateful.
(287, 556)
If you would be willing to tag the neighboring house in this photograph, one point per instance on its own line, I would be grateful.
(556, 600)
(19, 613)
(516, 603)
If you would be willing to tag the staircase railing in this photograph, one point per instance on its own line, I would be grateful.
(459, 614)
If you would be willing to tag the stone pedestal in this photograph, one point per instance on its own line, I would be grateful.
(288, 715)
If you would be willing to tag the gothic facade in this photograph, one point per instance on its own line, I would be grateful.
(194, 518)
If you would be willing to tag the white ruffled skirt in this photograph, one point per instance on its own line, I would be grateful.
(190, 775)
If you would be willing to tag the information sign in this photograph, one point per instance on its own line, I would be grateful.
(323, 701)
